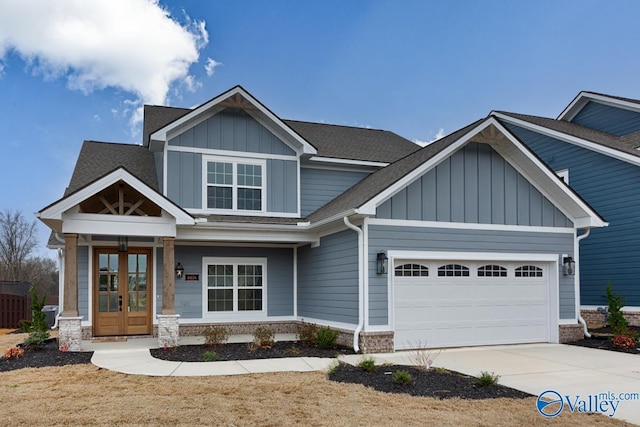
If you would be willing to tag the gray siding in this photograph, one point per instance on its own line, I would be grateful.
(84, 282)
(184, 179)
(386, 238)
(474, 185)
(232, 130)
(320, 186)
(606, 118)
(189, 293)
(282, 186)
(328, 279)
(612, 187)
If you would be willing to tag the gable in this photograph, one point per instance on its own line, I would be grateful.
(608, 118)
(232, 129)
(474, 185)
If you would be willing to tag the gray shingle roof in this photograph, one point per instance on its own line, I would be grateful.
(626, 144)
(97, 159)
(345, 142)
(375, 183)
(342, 142)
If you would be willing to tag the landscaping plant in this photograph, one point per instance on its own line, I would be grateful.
(326, 338)
(264, 337)
(13, 353)
(423, 358)
(368, 364)
(215, 336)
(307, 332)
(486, 379)
(38, 328)
(616, 318)
(402, 377)
(210, 356)
(624, 341)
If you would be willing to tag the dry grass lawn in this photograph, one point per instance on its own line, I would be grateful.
(9, 339)
(87, 395)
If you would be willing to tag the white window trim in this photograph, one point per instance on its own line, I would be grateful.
(234, 162)
(233, 315)
(564, 174)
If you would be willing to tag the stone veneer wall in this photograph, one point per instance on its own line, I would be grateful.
(70, 333)
(595, 319)
(376, 342)
(568, 333)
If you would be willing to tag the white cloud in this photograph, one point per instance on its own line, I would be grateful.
(132, 45)
(211, 65)
(438, 135)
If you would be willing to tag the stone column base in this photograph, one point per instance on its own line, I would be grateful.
(569, 333)
(376, 342)
(168, 330)
(70, 333)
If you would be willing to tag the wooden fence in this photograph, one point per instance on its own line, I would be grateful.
(13, 309)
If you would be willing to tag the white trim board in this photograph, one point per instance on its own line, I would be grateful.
(469, 226)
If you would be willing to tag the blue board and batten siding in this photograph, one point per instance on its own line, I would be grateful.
(612, 188)
(189, 294)
(405, 238)
(606, 118)
(84, 282)
(328, 279)
(474, 185)
(231, 130)
(319, 186)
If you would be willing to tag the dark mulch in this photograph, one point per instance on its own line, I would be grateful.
(47, 355)
(241, 351)
(601, 339)
(432, 383)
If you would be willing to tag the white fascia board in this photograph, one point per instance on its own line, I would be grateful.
(583, 143)
(244, 235)
(162, 134)
(581, 100)
(118, 225)
(588, 216)
(56, 210)
(371, 205)
(471, 256)
(347, 162)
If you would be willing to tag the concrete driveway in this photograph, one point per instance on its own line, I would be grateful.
(576, 374)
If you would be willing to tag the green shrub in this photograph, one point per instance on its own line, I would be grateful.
(368, 364)
(215, 336)
(307, 332)
(326, 338)
(486, 379)
(38, 317)
(402, 377)
(210, 356)
(616, 319)
(36, 339)
(264, 337)
(333, 367)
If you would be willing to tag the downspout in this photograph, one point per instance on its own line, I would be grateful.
(361, 267)
(577, 252)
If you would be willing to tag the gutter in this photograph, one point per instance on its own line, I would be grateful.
(361, 267)
(577, 291)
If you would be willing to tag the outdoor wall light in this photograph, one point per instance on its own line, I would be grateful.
(179, 271)
(382, 263)
(568, 266)
(123, 244)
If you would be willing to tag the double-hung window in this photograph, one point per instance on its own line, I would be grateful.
(234, 284)
(235, 184)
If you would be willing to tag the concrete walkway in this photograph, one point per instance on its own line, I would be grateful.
(571, 371)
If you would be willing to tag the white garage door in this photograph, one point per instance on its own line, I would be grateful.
(462, 303)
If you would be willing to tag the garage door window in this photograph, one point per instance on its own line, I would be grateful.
(411, 270)
(453, 270)
(492, 271)
(528, 271)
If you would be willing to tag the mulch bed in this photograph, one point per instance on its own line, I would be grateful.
(601, 339)
(243, 351)
(431, 383)
(47, 355)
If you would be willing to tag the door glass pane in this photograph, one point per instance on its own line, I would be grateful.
(133, 263)
(142, 282)
(113, 283)
(142, 263)
(113, 303)
(103, 282)
(113, 262)
(103, 304)
(142, 301)
(133, 283)
(103, 263)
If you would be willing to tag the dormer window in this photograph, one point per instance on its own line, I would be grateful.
(235, 184)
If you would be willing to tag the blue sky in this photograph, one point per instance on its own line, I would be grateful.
(75, 71)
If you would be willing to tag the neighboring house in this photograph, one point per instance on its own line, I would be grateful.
(594, 143)
(227, 214)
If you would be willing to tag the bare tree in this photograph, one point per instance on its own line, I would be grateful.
(17, 241)
(42, 272)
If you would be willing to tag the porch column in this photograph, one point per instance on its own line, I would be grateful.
(70, 302)
(168, 277)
